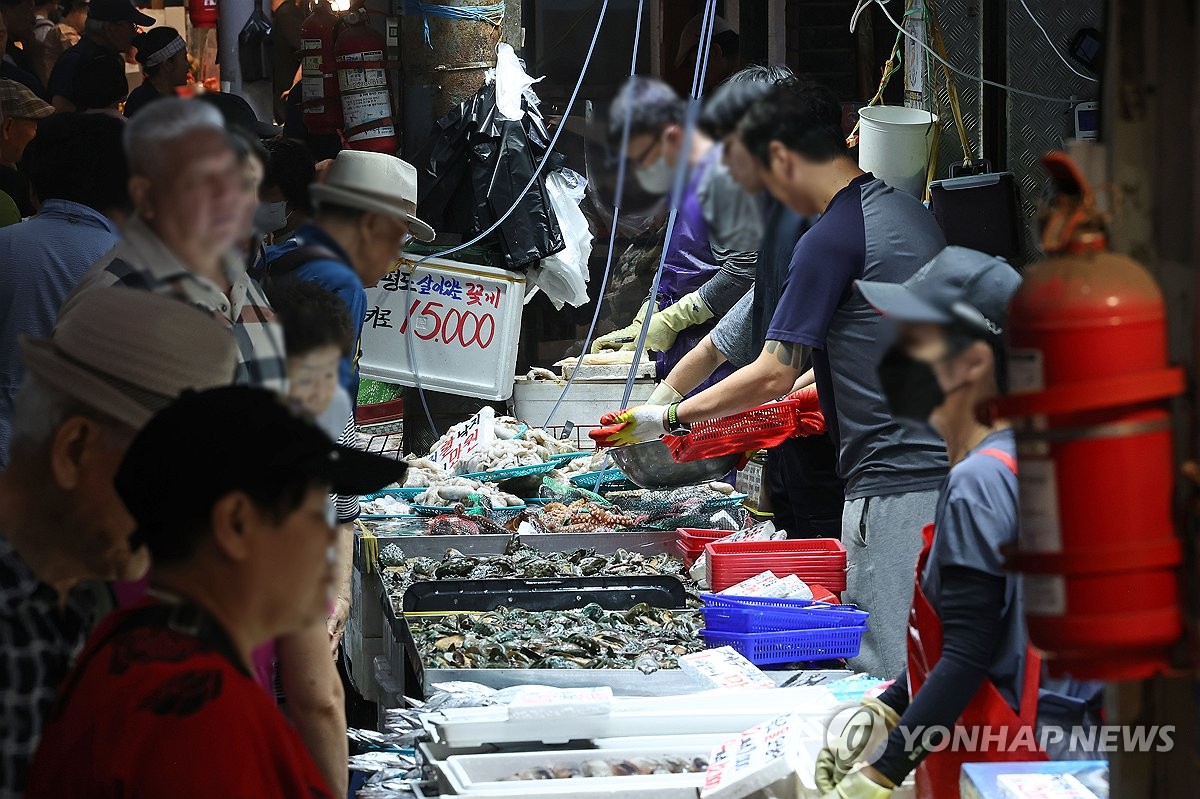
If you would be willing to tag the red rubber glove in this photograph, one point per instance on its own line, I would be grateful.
(807, 396)
(630, 426)
(811, 423)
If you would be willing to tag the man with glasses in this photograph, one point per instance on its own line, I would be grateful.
(365, 209)
(711, 257)
(110, 27)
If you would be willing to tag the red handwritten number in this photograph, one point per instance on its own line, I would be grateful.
(452, 329)
(407, 316)
(437, 321)
(487, 317)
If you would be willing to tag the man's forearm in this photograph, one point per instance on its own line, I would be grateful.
(771, 375)
(345, 562)
(316, 701)
(695, 367)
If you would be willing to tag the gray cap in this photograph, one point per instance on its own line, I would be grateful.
(959, 285)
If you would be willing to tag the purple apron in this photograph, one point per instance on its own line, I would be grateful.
(689, 265)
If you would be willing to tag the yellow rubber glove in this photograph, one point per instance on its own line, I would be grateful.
(834, 762)
(668, 323)
(858, 785)
(664, 395)
(625, 339)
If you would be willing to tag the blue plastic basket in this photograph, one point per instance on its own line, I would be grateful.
(790, 647)
(495, 514)
(766, 602)
(567, 457)
(731, 501)
(747, 620)
(606, 478)
(402, 493)
(498, 475)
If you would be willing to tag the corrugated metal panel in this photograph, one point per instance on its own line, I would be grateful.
(1036, 126)
(961, 29)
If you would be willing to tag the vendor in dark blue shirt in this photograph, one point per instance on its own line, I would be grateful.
(111, 26)
(365, 210)
(969, 661)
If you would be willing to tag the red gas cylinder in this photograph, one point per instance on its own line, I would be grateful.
(1089, 384)
(318, 80)
(203, 13)
(362, 82)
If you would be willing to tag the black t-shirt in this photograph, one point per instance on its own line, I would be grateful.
(141, 97)
(14, 184)
(62, 78)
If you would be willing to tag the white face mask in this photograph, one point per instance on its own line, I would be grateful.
(269, 217)
(656, 178)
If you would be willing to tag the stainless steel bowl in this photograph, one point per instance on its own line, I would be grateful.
(650, 465)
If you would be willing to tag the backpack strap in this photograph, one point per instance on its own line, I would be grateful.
(292, 260)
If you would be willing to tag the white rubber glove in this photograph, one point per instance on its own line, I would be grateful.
(631, 426)
(857, 785)
(834, 762)
(664, 395)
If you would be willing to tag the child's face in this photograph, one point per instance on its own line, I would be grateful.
(313, 378)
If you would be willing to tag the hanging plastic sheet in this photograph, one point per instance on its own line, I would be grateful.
(475, 166)
(563, 276)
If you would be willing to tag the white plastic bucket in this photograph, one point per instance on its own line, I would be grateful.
(894, 145)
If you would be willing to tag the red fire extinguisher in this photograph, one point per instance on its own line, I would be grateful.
(362, 83)
(318, 79)
(1089, 385)
(203, 13)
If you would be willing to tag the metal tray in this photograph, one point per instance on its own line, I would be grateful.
(412, 678)
(544, 593)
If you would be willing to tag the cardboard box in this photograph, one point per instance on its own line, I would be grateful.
(752, 481)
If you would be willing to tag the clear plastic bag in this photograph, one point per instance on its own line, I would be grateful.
(564, 275)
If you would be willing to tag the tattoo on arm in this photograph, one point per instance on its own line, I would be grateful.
(787, 353)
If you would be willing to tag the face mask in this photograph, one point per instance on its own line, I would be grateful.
(910, 386)
(269, 217)
(656, 178)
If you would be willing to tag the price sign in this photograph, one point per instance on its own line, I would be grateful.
(464, 440)
(457, 323)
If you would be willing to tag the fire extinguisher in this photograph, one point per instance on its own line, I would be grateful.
(318, 80)
(362, 83)
(203, 13)
(1089, 385)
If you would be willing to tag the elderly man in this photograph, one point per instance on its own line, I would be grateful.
(115, 358)
(366, 207)
(77, 171)
(162, 702)
(187, 194)
(110, 27)
(21, 110)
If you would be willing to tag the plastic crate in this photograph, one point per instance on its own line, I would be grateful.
(816, 615)
(763, 427)
(695, 537)
(813, 560)
(607, 479)
(790, 647)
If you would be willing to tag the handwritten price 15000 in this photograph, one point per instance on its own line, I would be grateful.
(464, 327)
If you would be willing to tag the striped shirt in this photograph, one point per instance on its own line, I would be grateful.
(38, 641)
(141, 260)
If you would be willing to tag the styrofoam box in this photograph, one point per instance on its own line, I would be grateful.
(533, 400)
(469, 774)
(463, 322)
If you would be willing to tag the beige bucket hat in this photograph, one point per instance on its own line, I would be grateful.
(129, 353)
(373, 182)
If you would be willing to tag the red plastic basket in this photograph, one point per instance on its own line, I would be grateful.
(758, 428)
(813, 560)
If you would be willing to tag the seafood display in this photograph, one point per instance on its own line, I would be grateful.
(519, 560)
(702, 506)
(580, 516)
(453, 490)
(615, 767)
(643, 638)
(385, 505)
(460, 522)
(423, 473)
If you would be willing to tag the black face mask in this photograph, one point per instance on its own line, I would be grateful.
(910, 386)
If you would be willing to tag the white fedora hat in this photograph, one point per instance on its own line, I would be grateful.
(129, 353)
(373, 182)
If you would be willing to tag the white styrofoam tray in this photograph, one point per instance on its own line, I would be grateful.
(470, 773)
(533, 400)
(704, 713)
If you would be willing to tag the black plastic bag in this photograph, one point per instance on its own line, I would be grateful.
(475, 164)
(254, 48)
